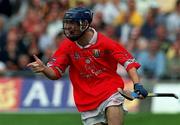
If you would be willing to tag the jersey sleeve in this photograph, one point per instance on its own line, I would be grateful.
(123, 56)
(59, 61)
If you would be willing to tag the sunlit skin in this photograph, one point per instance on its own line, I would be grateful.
(73, 28)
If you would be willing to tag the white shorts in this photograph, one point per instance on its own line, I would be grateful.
(98, 115)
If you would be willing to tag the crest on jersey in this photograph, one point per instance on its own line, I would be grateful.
(76, 55)
(87, 61)
(96, 53)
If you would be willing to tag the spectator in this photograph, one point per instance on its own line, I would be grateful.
(160, 17)
(136, 42)
(123, 30)
(33, 46)
(161, 35)
(98, 21)
(23, 60)
(109, 30)
(31, 21)
(112, 10)
(44, 40)
(143, 5)
(149, 26)
(174, 47)
(152, 61)
(2, 33)
(135, 18)
(10, 54)
(99, 7)
(11, 48)
(19, 14)
(173, 55)
(173, 22)
(54, 20)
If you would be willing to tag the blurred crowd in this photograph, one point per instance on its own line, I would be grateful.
(150, 33)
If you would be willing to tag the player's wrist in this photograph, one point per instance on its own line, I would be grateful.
(44, 67)
(139, 89)
(137, 85)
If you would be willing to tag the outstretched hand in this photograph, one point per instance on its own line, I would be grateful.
(37, 66)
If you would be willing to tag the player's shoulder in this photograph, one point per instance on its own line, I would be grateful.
(65, 44)
(107, 40)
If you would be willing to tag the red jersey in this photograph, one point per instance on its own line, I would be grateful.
(92, 70)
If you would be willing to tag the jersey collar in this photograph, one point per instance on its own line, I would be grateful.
(92, 41)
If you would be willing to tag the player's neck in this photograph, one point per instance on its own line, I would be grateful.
(85, 39)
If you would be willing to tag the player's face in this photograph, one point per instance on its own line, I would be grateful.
(71, 28)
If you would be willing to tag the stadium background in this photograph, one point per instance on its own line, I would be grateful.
(30, 27)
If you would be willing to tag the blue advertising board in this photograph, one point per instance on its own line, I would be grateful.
(39, 95)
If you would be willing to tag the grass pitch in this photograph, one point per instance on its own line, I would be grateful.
(74, 119)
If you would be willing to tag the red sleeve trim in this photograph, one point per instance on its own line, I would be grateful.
(58, 74)
(131, 65)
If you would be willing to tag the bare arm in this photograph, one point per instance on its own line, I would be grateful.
(134, 75)
(49, 72)
(39, 67)
(139, 89)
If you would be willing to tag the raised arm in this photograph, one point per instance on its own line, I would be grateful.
(39, 67)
